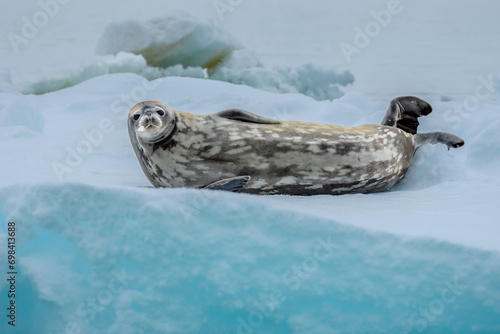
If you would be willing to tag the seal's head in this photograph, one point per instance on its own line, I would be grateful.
(151, 121)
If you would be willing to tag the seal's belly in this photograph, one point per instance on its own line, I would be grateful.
(293, 158)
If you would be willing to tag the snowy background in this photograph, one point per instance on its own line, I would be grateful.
(100, 251)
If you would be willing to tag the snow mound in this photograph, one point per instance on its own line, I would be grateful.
(320, 83)
(67, 75)
(129, 260)
(182, 47)
(195, 43)
(169, 41)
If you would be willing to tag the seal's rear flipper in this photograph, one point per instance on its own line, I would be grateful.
(404, 112)
(233, 184)
(448, 139)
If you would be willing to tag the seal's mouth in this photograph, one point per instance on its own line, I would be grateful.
(149, 122)
(143, 128)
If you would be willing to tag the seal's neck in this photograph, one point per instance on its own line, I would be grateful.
(168, 141)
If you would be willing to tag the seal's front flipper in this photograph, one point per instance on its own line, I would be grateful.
(245, 116)
(448, 139)
(233, 184)
(404, 112)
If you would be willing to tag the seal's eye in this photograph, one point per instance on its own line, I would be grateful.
(136, 117)
(160, 112)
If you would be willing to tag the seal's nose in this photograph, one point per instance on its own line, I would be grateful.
(149, 114)
(150, 118)
(147, 118)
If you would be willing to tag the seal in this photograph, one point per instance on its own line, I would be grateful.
(235, 150)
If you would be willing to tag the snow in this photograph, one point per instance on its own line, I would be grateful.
(100, 251)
